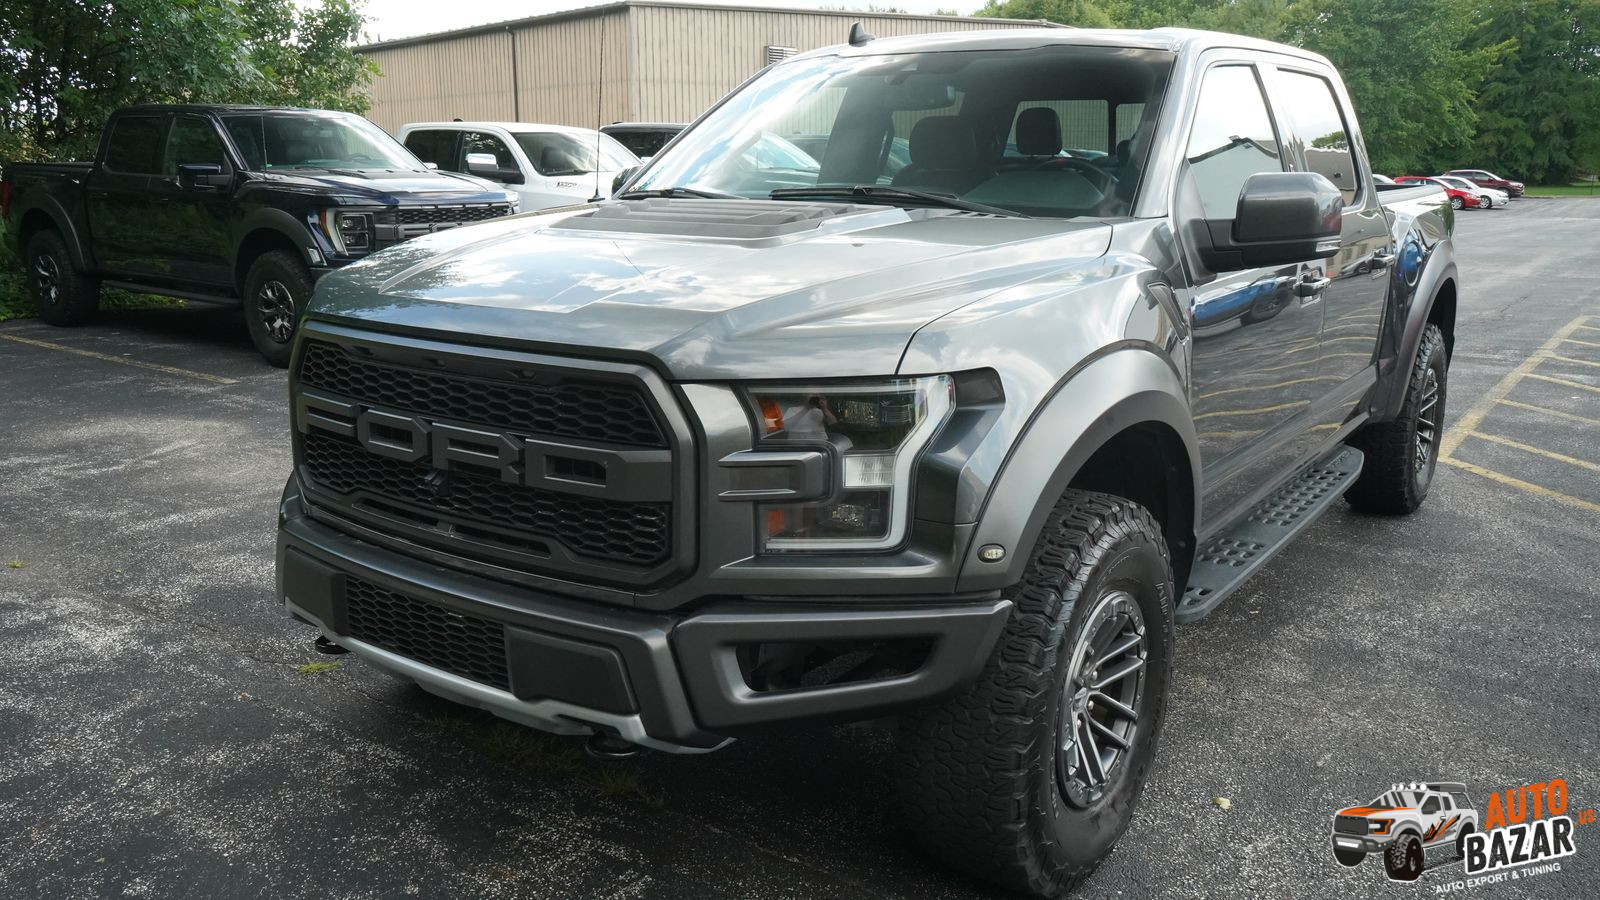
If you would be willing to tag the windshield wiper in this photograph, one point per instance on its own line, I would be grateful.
(678, 192)
(889, 194)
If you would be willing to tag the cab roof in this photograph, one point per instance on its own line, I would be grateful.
(1183, 41)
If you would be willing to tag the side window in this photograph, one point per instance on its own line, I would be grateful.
(435, 147)
(1430, 806)
(1314, 112)
(249, 139)
(1232, 139)
(477, 142)
(192, 140)
(134, 144)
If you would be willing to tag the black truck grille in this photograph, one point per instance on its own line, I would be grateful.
(1350, 825)
(433, 215)
(585, 410)
(591, 496)
(432, 635)
(635, 533)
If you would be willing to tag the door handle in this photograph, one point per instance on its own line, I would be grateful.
(1381, 260)
(1311, 287)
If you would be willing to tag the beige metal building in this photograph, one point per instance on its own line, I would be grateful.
(635, 61)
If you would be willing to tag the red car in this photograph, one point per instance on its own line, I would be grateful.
(1458, 199)
(1486, 178)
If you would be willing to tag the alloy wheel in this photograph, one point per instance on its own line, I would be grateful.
(275, 306)
(47, 278)
(1427, 423)
(1102, 698)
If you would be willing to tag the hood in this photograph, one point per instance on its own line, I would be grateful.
(382, 188)
(710, 288)
(1365, 811)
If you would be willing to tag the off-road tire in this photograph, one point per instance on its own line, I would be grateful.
(1461, 840)
(1391, 481)
(1403, 858)
(283, 269)
(75, 296)
(978, 773)
(1348, 858)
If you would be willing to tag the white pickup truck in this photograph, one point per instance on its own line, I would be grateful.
(1401, 824)
(544, 165)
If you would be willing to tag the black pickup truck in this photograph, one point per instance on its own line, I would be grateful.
(226, 203)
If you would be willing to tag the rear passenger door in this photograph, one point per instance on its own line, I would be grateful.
(1358, 277)
(435, 145)
(118, 195)
(1255, 337)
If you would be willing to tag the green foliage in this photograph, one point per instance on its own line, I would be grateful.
(66, 64)
(1511, 85)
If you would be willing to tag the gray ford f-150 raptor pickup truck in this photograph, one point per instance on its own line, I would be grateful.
(760, 441)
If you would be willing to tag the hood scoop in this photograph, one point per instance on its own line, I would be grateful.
(738, 220)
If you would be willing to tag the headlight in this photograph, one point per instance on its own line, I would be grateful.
(348, 232)
(1380, 826)
(875, 431)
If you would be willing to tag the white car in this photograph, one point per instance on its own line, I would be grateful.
(1492, 197)
(545, 165)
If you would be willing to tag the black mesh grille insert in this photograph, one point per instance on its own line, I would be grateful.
(570, 408)
(432, 635)
(429, 215)
(635, 533)
(1350, 825)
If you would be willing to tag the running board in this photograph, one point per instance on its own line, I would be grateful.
(1227, 560)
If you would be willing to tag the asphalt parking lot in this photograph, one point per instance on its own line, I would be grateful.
(162, 736)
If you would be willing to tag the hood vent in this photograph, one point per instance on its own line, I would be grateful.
(747, 220)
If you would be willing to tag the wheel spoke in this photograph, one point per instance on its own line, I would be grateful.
(1115, 705)
(1095, 769)
(1128, 642)
(1116, 740)
(1119, 671)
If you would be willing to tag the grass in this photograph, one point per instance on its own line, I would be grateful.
(1575, 189)
(15, 303)
(317, 668)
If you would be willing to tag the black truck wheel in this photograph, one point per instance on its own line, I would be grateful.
(1030, 774)
(275, 293)
(1402, 454)
(1403, 859)
(1347, 857)
(61, 294)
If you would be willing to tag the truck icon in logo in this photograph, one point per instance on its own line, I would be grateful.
(1405, 821)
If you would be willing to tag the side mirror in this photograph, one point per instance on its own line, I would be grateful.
(622, 178)
(431, 165)
(1282, 217)
(209, 175)
(484, 165)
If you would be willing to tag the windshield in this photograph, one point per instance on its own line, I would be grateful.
(1052, 131)
(553, 153)
(317, 141)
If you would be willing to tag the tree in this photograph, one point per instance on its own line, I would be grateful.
(66, 64)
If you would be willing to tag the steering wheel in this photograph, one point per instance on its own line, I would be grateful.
(1103, 180)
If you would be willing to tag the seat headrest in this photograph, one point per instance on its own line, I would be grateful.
(943, 142)
(1038, 132)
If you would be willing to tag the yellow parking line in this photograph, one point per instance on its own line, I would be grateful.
(1580, 343)
(1519, 484)
(1469, 422)
(106, 357)
(1540, 451)
(1266, 387)
(1581, 362)
(1251, 412)
(1589, 327)
(1564, 381)
(1227, 435)
(1581, 420)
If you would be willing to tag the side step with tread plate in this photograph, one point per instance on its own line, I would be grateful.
(1227, 559)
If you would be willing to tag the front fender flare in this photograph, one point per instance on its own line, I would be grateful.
(1100, 399)
(1390, 393)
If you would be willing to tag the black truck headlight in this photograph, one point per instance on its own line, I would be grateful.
(874, 431)
(348, 232)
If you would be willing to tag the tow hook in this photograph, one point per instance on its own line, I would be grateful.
(608, 746)
(325, 646)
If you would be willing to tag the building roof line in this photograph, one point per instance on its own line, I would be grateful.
(601, 9)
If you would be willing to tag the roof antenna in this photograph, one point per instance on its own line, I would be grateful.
(599, 97)
(858, 35)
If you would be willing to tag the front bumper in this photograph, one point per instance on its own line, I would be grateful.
(1361, 843)
(668, 681)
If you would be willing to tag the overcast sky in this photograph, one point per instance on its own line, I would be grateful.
(392, 19)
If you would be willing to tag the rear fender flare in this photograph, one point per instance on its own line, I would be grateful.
(64, 225)
(1121, 388)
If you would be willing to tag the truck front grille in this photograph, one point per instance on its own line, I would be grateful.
(453, 215)
(432, 635)
(588, 486)
(1350, 825)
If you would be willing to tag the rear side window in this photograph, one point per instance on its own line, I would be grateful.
(434, 146)
(1314, 115)
(1232, 139)
(135, 144)
(192, 140)
(478, 142)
